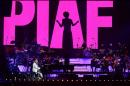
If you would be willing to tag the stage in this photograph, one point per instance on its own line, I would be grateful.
(64, 42)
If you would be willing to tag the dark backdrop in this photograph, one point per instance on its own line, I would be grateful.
(118, 33)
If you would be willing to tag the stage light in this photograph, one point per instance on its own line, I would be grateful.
(72, 80)
(86, 80)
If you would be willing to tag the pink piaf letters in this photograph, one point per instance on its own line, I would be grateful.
(27, 15)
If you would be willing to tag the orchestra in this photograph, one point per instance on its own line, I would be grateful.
(103, 58)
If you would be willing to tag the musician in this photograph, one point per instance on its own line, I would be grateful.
(124, 61)
(48, 59)
(118, 65)
(93, 64)
(36, 69)
(61, 61)
(87, 52)
(105, 64)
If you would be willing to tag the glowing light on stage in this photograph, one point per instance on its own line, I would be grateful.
(94, 21)
(57, 37)
(27, 15)
(43, 22)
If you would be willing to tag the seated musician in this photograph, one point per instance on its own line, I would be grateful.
(36, 69)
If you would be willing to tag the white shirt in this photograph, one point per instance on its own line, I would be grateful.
(35, 67)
